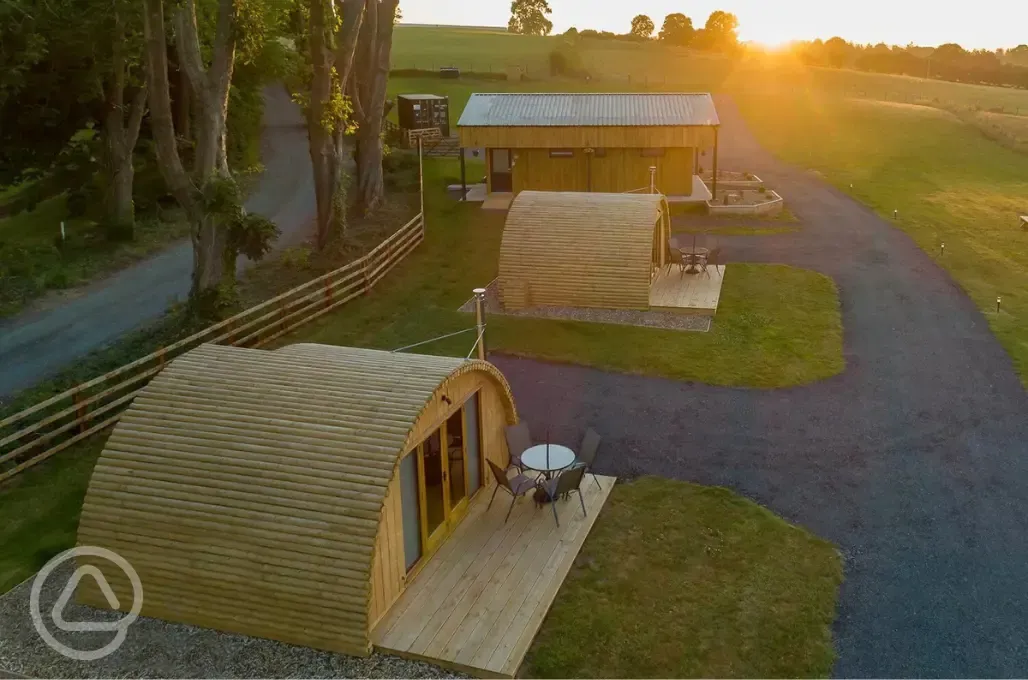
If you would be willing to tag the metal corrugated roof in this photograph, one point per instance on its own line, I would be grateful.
(516, 109)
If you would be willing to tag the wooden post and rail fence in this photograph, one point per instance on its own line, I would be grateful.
(37, 433)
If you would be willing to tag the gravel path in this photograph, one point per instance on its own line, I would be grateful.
(41, 341)
(914, 460)
(621, 317)
(158, 649)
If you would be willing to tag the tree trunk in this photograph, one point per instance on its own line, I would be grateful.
(330, 70)
(120, 135)
(210, 89)
(370, 183)
(368, 94)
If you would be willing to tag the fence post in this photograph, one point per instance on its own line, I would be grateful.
(653, 179)
(81, 411)
(421, 181)
(480, 321)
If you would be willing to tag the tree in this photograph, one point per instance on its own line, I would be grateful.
(368, 94)
(677, 29)
(121, 130)
(721, 31)
(219, 228)
(332, 56)
(642, 26)
(837, 52)
(528, 17)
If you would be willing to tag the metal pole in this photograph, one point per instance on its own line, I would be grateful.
(653, 179)
(463, 178)
(421, 181)
(714, 183)
(480, 320)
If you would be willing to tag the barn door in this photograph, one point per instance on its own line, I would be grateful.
(501, 174)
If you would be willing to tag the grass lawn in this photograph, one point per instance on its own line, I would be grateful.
(679, 580)
(784, 334)
(949, 183)
(40, 510)
(31, 264)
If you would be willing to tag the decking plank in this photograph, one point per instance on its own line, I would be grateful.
(480, 601)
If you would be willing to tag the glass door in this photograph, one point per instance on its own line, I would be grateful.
(437, 480)
(434, 491)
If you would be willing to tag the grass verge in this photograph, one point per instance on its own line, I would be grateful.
(948, 183)
(776, 326)
(679, 580)
(31, 263)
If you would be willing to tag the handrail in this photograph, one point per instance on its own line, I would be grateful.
(40, 431)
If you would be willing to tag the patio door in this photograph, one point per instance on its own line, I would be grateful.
(437, 481)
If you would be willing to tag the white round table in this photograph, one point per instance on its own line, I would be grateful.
(535, 458)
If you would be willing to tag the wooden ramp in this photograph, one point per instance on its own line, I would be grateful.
(497, 201)
(478, 603)
(689, 293)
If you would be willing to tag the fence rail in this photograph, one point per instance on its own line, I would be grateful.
(51, 426)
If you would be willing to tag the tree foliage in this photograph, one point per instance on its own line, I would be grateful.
(642, 26)
(528, 17)
(677, 29)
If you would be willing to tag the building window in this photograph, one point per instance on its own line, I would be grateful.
(652, 153)
(562, 153)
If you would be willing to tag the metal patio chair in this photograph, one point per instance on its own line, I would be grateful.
(562, 485)
(587, 453)
(516, 486)
(519, 440)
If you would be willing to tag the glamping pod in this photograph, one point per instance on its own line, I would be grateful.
(292, 494)
(582, 249)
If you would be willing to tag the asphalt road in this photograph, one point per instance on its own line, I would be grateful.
(914, 460)
(42, 341)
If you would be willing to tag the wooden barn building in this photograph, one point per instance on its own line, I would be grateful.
(293, 494)
(593, 142)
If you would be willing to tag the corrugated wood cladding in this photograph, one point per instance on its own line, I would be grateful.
(580, 249)
(255, 491)
(551, 137)
(615, 171)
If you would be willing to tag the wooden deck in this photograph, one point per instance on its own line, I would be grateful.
(478, 603)
(497, 200)
(688, 293)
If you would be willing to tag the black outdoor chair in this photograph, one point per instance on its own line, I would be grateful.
(519, 440)
(674, 257)
(517, 486)
(562, 485)
(713, 258)
(587, 453)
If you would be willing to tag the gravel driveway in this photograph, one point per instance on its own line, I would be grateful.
(914, 460)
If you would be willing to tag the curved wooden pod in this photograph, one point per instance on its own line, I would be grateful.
(257, 492)
(581, 249)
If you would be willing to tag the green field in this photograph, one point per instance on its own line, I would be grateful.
(789, 333)
(654, 66)
(681, 581)
(938, 152)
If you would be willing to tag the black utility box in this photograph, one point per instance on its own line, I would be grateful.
(424, 111)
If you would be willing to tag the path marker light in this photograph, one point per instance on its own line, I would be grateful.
(998, 301)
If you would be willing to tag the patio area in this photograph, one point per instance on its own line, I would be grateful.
(477, 605)
(689, 293)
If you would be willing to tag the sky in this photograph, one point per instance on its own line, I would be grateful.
(981, 24)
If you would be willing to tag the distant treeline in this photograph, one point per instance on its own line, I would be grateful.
(947, 62)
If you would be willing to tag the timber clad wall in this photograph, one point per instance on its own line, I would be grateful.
(615, 171)
(582, 137)
(256, 492)
(581, 250)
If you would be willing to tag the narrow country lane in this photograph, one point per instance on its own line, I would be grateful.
(40, 342)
